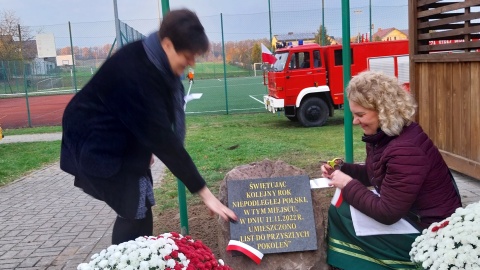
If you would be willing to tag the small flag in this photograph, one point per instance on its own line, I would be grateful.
(337, 198)
(250, 251)
(267, 56)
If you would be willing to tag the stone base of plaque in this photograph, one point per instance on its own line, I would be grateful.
(304, 260)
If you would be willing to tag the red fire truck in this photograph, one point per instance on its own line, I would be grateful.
(306, 81)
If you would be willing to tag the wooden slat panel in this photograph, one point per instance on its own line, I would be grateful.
(462, 164)
(440, 100)
(449, 26)
(413, 46)
(457, 125)
(450, 46)
(448, 34)
(475, 111)
(423, 97)
(448, 81)
(449, 19)
(445, 57)
(431, 100)
(451, 7)
(443, 15)
(422, 3)
(439, 4)
(470, 38)
(465, 84)
(447, 85)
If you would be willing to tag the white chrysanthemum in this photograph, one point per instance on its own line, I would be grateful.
(144, 265)
(161, 264)
(129, 267)
(94, 256)
(122, 265)
(451, 246)
(84, 266)
(182, 256)
(443, 266)
(143, 253)
(171, 263)
(103, 263)
(166, 251)
(426, 264)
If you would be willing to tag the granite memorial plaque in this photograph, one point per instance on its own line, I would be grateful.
(274, 214)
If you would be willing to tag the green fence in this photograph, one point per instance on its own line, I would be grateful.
(228, 74)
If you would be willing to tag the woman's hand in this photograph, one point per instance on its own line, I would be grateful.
(215, 206)
(339, 179)
(327, 170)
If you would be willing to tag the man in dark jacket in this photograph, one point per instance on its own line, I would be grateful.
(130, 109)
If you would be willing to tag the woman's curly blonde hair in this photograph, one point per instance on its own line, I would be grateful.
(382, 93)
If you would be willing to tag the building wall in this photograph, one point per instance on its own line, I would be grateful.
(395, 35)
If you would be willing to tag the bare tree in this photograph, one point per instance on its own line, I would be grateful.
(10, 46)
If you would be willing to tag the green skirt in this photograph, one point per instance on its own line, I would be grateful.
(376, 252)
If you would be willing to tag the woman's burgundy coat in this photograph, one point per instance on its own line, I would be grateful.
(409, 174)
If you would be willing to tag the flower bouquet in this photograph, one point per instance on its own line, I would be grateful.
(168, 251)
(451, 244)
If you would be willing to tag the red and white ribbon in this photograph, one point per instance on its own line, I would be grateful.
(251, 252)
(337, 198)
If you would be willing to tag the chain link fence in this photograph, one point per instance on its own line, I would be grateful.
(228, 75)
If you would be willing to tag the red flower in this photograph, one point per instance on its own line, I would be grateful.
(441, 225)
(200, 256)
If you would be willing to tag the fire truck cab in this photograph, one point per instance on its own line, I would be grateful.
(306, 81)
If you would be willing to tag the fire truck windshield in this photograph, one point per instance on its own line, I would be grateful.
(281, 60)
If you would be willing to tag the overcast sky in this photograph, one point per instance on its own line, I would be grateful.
(243, 19)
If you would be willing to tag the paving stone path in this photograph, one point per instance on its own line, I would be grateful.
(47, 223)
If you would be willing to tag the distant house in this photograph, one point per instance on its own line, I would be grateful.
(390, 34)
(11, 49)
(29, 49)
(293, 38)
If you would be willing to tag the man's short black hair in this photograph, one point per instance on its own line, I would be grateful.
(184, 29)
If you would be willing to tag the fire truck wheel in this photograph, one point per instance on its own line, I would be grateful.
(292, 118)
(313, 112)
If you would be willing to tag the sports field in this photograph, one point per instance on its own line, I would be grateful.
(243, 94)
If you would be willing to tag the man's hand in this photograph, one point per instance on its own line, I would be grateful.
(215, 206)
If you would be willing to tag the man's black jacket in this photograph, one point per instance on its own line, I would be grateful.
(113, 125)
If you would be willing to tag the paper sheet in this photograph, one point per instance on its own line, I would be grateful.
(365, 225)
(319, 183)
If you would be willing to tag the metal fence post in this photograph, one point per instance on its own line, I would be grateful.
(73, 58)
(182, 197)
(224, 64)
(346, 55)
(25, 86)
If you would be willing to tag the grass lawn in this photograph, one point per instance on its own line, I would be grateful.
(35, 130)
(217, 144)
(18, 159)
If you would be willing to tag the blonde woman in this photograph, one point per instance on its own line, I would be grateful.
(412, 182)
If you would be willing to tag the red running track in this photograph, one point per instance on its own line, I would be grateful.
(44, 111)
